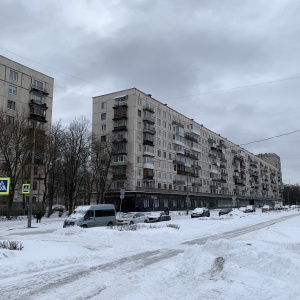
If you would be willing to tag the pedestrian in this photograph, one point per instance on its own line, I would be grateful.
(166, 211)
(38, 216)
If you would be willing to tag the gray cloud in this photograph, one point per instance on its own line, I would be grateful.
(171, 49)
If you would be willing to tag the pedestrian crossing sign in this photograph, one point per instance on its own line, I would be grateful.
(4, 185)
(25, 188)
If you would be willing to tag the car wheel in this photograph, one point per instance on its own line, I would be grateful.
(110, 224)
(84, 226)
(131, 223)
(146, 221)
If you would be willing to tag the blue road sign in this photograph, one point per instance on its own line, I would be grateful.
(25, 188)
(4, 185)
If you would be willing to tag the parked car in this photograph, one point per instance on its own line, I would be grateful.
(131, 218)
(266, 208)
(92, 216)
(250, 208)
(200, 212)
(225, 211)
(242, 209)
(158, 217)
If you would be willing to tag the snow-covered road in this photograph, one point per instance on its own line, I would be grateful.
(100, 263)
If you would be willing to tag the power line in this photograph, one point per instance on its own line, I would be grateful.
(183, 96)
(273, 137)
(57, 70)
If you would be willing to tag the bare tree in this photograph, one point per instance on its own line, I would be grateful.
(52, 158)
(102, 154)
(16, 140)
(75, 152)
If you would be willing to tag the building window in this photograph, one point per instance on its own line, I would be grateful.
(10, 119)
(103, 116)
(103, 127)
(11, 105)
(38, 85)
(37, 98)
(158, 153)
(13, 75)
(103, 138)
(103, 105)
(12, 90)
(139, 113)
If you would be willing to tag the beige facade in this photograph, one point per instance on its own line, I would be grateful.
(26, 91)
(162, 154)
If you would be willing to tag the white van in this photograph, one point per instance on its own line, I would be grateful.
(92, 216)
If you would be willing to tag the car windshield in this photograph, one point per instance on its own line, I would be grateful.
(79, 212)
(198, 210)
(128, 215)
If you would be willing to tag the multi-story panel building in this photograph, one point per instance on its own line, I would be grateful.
(24, 91)
(164, 158)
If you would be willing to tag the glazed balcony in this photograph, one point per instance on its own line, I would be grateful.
(37, 111)
(39, 89)
(149, 119)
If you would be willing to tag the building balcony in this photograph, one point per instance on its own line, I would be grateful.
(39, 89)
(37, 111)
(212, 154)
(211, 141)
(149, 119)
(119, 163)
(120, 128)
(147, 141)
(149, 130)
(191, 137)
(178, 123)
(120, 104)
(178, 162)
(149, 108)
(148, 166)
(120, 116)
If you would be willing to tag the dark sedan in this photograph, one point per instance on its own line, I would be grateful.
(158, 217)
(225, 211)
(200, 212)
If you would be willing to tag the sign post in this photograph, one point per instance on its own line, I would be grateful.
(234, 201)
(122, 196)
(153, 202)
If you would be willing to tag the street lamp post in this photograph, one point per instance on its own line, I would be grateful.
(31, 180)
(187, 194)
(187, 188)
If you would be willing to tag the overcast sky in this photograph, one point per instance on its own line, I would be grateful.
(231, 65)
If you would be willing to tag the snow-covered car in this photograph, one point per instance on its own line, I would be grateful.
(266, 208)
(242, 209)
(286, 207)
(200, 212)
(131, 218)
(225, 211)
(250, 208)
(158, 217)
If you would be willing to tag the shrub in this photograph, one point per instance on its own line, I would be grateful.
(11, 245)
(175, 226)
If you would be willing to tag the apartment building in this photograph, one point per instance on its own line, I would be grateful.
(26, 91)
(163, 158)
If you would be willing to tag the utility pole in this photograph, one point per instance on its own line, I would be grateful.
(187, 194)
(31, 179)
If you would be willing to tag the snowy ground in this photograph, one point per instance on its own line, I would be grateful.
(242, 256)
